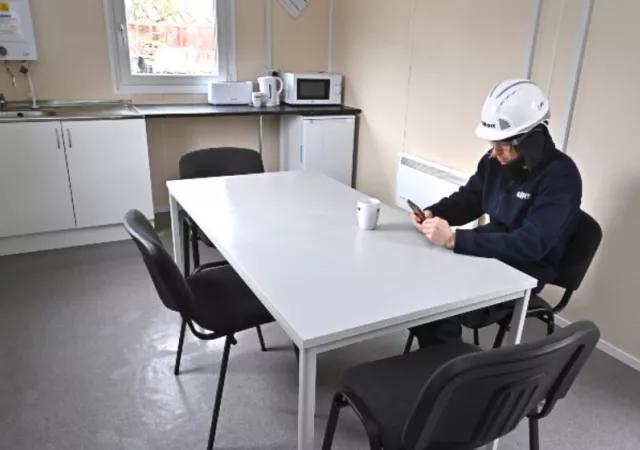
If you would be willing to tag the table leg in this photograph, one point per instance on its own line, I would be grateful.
(517, 326)
(175, 231)
(517, 320)
(306, 399)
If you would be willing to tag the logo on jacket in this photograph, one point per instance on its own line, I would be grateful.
(523, 195)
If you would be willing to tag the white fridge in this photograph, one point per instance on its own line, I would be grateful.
(323, 144)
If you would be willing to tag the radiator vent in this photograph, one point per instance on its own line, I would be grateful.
(425, 182)
(434, 170)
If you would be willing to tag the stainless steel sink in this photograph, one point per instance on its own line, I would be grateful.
(17, 113)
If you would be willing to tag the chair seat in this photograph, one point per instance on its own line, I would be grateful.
(390, 387)
(495, 314)
(223, 303)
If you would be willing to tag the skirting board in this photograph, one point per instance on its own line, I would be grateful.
(61, 239)
(609, 348)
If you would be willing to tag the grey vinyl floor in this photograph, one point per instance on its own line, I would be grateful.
(87, 351)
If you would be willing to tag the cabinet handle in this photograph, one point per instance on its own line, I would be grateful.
(69, 138)
(57, 138)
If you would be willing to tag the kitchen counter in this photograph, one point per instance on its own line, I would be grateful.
(98, 110)
(205, 109)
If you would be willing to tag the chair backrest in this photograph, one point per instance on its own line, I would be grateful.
(579, 253)
(479, 397)
(221, 161)
(167, 278)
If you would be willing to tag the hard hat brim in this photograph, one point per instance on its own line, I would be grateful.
(492, 135)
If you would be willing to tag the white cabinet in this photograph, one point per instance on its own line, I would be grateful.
(34, 184)
(65, 183)
(109, 169)
(321, 143)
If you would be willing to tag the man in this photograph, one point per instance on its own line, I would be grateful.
(530, 190)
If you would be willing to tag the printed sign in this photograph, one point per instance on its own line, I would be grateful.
(10, 29)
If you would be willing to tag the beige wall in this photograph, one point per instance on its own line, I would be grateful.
(375, 80)
(419, 69)
(603, 143)
(301, 44)
(453, 66)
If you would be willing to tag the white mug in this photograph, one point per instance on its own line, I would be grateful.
(368, 213)
(257, 98)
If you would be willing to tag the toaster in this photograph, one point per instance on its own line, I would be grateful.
(230, 92)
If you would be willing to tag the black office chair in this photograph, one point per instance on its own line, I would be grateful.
(213, 297)
(454, 396)
(213, 162)
(576, 261)
(580, 251)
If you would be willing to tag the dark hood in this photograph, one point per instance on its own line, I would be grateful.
(535, 151)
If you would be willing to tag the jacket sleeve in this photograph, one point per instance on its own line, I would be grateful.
(465, 205)
(554, 209)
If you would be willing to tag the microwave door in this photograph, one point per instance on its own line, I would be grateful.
(313, 89)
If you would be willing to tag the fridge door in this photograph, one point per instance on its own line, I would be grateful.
(327, 146)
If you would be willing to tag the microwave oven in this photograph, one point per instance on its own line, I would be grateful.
(312, 88)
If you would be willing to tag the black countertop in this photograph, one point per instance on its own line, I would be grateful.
(100, 110)
(204, 109)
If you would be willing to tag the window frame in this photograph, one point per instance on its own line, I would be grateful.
(126, 83)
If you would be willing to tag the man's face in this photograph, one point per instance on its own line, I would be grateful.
(503, 152)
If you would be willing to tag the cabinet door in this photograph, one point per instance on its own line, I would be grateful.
(328, 146)
(34, 183)
(108, 168)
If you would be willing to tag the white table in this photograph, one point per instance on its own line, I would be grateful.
(293, 238)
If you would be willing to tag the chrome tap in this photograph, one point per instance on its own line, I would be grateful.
(3, 102)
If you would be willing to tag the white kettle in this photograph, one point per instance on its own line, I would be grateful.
(268, 86)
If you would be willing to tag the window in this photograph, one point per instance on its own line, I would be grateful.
(170, 46)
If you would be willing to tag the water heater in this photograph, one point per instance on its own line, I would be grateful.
(16, 31)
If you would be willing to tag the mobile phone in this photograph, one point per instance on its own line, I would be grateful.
(417, 210)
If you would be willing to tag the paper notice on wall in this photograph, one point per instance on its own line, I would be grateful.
(10, 29)
(294, 7)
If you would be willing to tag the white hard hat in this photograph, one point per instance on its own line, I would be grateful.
(512, 107)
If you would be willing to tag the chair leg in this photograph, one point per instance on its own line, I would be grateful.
(176, 368)
(551, 324)
(185, 247)
(534, 443)
(218, 400)
(332, 422)
(261, 339)
(476, 337)
(502, 331)
(195, 249)
(407, 346)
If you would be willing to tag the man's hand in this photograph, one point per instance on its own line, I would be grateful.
(439, 232)
(416, 221)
